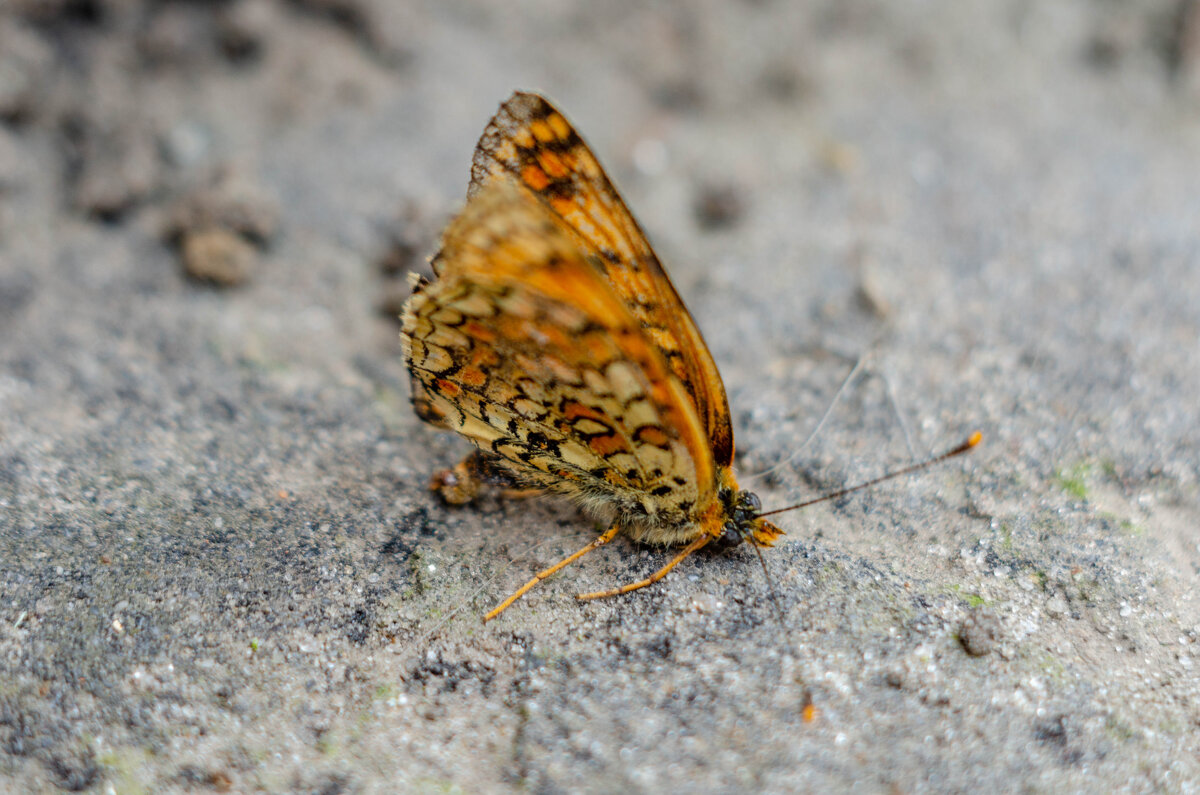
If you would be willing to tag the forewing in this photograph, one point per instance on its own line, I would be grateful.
(522, 346)
(530, 142)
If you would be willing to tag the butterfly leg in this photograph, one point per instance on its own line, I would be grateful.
(653, 578)
(521, 494)
(459, 485)
(607, 536)
(472, 475)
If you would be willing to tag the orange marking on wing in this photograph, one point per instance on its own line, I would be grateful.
(448, 388)
(542, 131)
(483, 357)
(607, 445)
(652, 435)
(574, 410)
(472, 376)
(552, 164)
(478, 332)
(534, 177)
(598, 348)
(576, 286)
(561, 126)
(563, 205)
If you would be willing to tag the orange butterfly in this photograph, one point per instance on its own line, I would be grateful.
(553, 340)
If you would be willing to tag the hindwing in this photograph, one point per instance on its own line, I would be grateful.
(523, 345)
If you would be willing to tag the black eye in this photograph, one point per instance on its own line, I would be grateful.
(750, 501)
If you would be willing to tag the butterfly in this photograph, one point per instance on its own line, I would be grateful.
(552, 339)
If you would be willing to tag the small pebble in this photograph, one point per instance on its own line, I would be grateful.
(218, 256)
(981, 632)
(718, 206)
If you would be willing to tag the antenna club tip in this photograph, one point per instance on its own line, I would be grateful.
(974, 439)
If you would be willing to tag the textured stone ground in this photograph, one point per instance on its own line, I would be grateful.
(219, 565)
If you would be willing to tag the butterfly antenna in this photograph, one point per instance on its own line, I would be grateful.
(971, 441)
(850, 376)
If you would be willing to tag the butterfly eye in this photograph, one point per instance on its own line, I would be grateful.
(749, 501)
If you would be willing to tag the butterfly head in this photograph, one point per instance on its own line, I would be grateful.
(742, 522)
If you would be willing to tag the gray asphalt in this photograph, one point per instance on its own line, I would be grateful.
(220, 567)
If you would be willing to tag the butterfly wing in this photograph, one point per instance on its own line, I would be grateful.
(522, 345)
(529, 142)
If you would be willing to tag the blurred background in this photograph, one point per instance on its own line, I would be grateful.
(219, 565)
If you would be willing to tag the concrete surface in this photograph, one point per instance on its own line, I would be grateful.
(220, 568)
